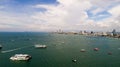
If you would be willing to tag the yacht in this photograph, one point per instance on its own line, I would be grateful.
(40, 46)
(20, 57)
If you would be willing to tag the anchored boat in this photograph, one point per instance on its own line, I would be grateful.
(20, 57)
(40, 46)
(0, 46)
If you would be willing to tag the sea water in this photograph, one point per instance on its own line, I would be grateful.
(61, 50)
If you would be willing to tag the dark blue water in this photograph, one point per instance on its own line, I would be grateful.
(60, 51)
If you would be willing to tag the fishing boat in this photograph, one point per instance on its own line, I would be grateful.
(20, 57)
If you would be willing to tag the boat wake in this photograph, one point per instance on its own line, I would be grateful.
(6, 51)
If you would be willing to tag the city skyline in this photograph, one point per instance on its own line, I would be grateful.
(51, 15)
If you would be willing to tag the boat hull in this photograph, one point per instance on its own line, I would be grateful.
(20, 58)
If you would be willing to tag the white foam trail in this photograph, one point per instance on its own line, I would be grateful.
(6, 51)
(10, 50)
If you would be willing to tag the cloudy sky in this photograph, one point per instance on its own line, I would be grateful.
(51, 15)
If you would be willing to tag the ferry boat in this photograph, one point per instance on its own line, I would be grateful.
(20, 57)
(40, 46)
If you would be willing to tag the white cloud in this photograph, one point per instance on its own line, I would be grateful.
(115, 11)
(71, 15)
(67, 15)
(10, 22)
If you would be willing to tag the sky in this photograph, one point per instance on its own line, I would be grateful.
(67, 15)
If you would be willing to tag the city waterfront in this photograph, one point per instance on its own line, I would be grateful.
(61, 50)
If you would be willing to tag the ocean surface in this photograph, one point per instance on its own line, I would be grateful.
(61, 50)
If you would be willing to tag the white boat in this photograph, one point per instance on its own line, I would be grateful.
(74, 60)
(20, 57)
(83, 50)
(40, 46)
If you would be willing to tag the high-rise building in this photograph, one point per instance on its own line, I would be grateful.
(114, 32)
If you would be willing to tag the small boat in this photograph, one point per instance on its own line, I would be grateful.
(40, 46)
(0, 46)
(96, 49)
(21, 57)
(82, 50)
(74, 60)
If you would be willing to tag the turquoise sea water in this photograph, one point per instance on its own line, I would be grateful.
(60, 51)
